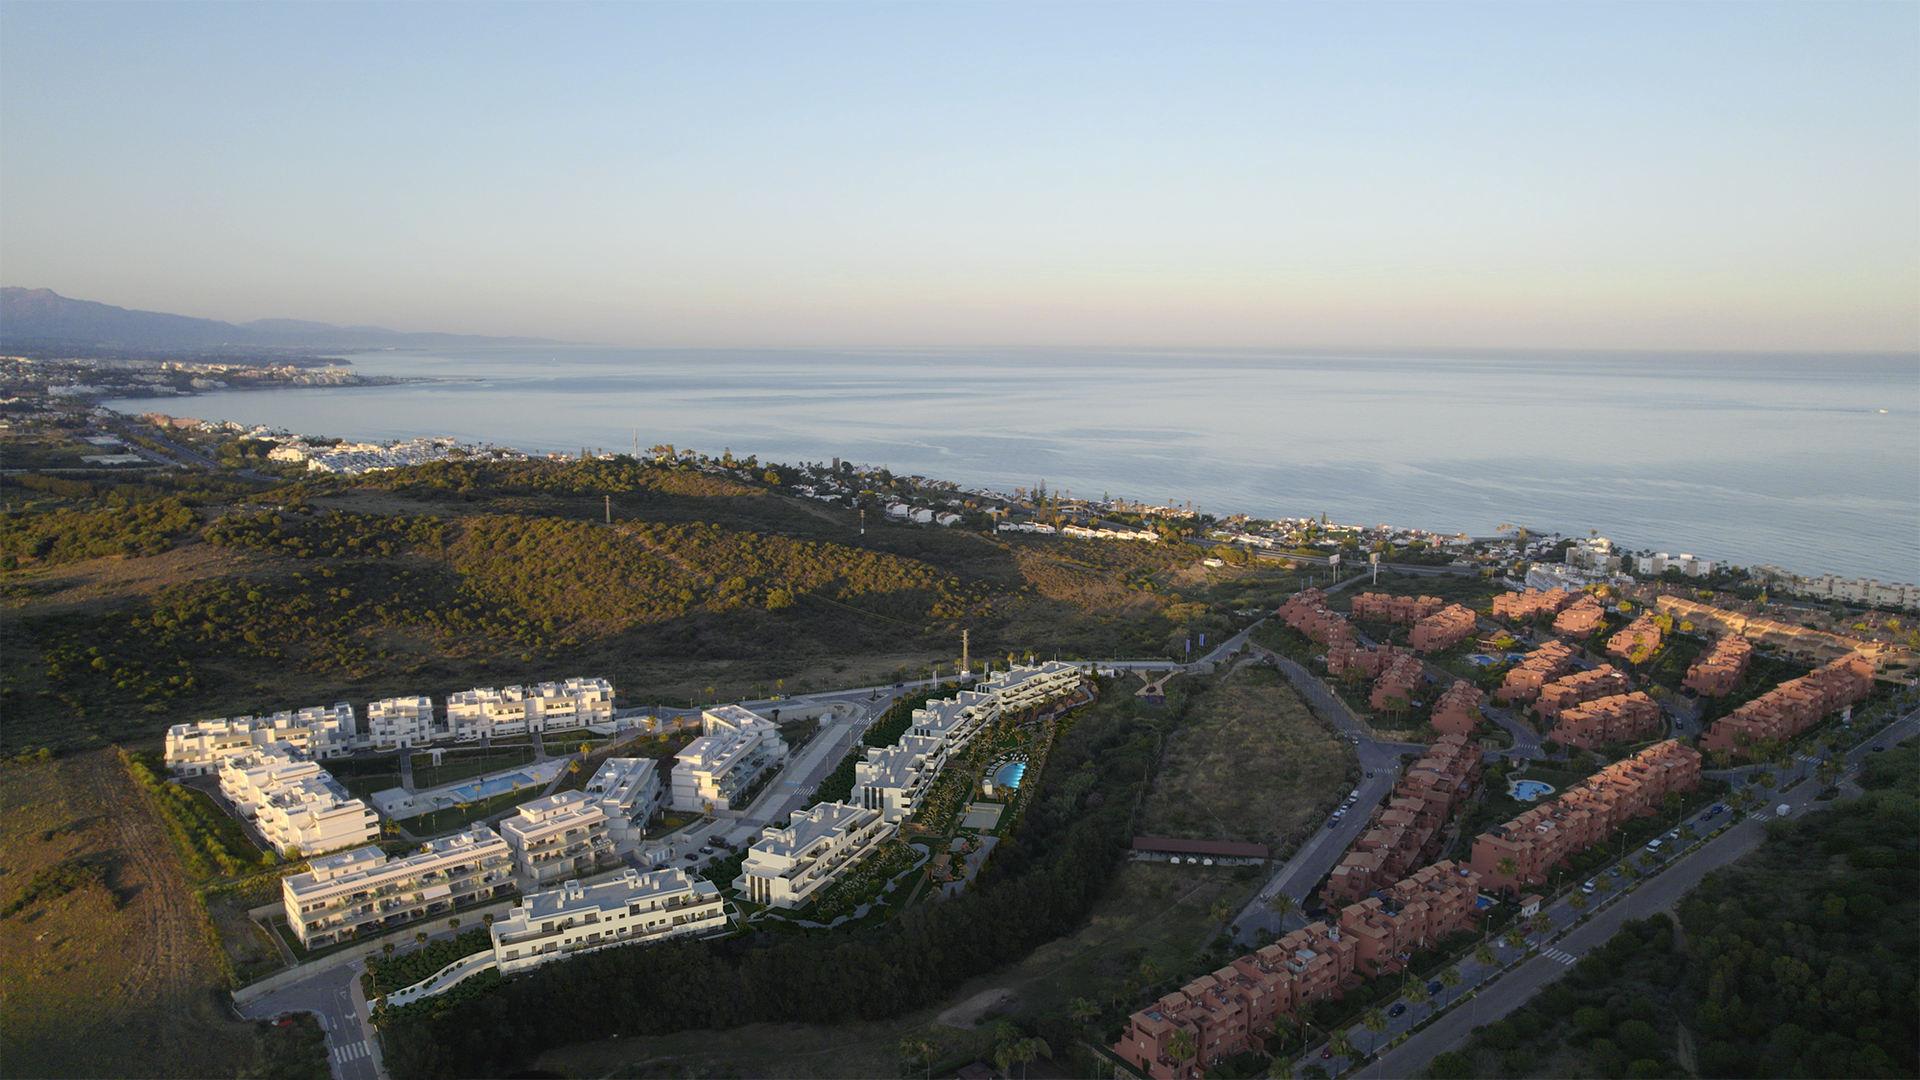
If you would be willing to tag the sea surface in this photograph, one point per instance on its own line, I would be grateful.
(1811, 463)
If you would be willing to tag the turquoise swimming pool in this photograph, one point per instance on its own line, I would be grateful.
(486, 789)
(1008, 775)
(1529, 790)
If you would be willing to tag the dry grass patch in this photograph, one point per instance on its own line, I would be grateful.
(112, 980)
(1251, 764)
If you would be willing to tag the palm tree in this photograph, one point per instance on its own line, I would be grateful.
(420, 936)
(1375, 1022)
(387, 949)
(1282, 905)
(1182, 1045)
(1516, 939)
(1417, 994)
(453, 925)
(1485, 955)
(916, 1049)
(1577, 902)
(1280, 1069)
(1507, 868)
(1542, 923)
(1341, 1044)
(1450, 979)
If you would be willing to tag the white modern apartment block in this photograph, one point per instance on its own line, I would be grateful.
(317, 732)
(1856, 590)
(362, 890)
(1655, 565)
(735, 748)
(956, 720)
(1024, 687)
(559, 837)
(295, 804)
(629, 791)
(516, 710)
(402, 722)
(892, 779)
(786, 867)
(633, 908)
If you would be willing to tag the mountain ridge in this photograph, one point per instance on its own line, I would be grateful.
(42, 315)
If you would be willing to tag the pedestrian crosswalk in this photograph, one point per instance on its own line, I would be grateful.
(1559, 955)
(351, 1052)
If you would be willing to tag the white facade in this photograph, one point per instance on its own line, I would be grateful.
(1655, 565)
(633, 908)
(1593, 554)
(295, 803)
(785, 868)
(516, 710)
(892, 779)
(362, 890)
(736, 747)
(1023, 687)
(316, 732)
(629, 791)
(401, 722)
(558, 837)
(957, 719)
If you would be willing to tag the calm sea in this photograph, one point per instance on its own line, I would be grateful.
(1806, 462)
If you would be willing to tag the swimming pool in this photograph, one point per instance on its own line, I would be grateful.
(1529, 790)
(487, 789)
(1008, 775)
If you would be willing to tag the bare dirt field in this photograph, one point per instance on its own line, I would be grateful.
(114, 978)
(1251, 764)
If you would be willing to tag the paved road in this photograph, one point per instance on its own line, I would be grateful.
(334, 996)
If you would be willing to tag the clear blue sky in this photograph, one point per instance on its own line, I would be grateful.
(1742, 176)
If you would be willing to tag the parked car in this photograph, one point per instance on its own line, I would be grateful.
(1436, 986)
(1399, 1008)
(1719, 808)
(1587, 888)
(1333, 823)
(1653, 845)
(691, 857)
(1878, 749)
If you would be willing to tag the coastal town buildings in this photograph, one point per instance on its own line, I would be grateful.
(1307, 612)
(955, 720)
(1443, 629)
(1615, 718)
(637, 907)
(399, 723)
(1719, 670)
(1569, 690)
(363, 890)
(628, 790)
(735, 749)
(1402, 675)
(1524, 851)
(892, 779)
(1763, 631)
(1225, 1012)
(1595, 553)
(317, 732)
(1379, 607)
(1023, 687)
(788, 866)
(1793, 706)
(558, 837)
(1834, 587)
(1655, 565)
(1542, 666)
(1457, 712)
(296, 805)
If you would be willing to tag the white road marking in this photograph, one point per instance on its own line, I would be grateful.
(351, 1051)
(1559, 955)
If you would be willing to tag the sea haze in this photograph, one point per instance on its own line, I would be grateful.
(1807, 462)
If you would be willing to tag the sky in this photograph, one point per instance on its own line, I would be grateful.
(1611, 176)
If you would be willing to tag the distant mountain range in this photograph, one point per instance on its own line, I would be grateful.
(44, 316)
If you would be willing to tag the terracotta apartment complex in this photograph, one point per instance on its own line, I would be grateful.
(1580, 619)
(1406, 832)
(1225, 1012)
(1458, 710)
(1571, 690)
(1395, 609)
(1583, 816)
(1542, 666)
(1793, 706)
(1617, 718)
(1640, 638)
(1399, 679)
(1443, 629)
(1522, 606)
(1720, 669)
(1307, 612)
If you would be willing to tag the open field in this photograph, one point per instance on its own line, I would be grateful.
(1251, 764)
(111, 979)
(1156, 916)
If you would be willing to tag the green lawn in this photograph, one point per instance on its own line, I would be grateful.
(454, 818)
(465, 765)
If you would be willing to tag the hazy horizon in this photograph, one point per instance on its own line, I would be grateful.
(1673, 178)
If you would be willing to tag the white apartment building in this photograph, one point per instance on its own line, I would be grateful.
(1655, 565)
(559, 837)
(634, 908)
(735, 748)
(317, 732)
(956, 720)
(629, 791)
(892, 779)
(1593, 554)
(402, 722)
(516, 710)
(295, 804)
(1023, 687)
(785, 868)
(363, 891)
